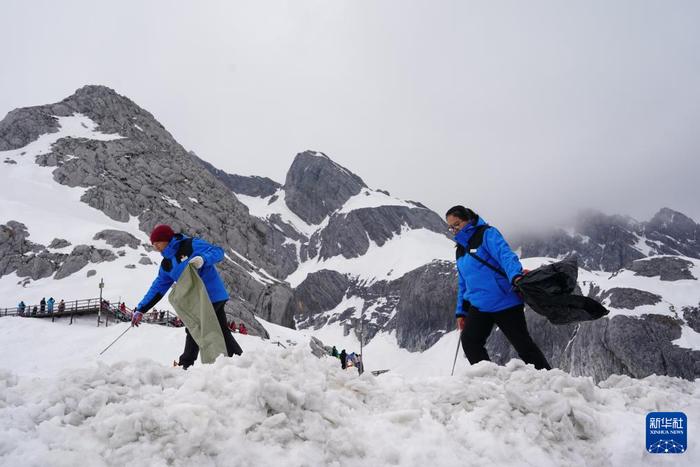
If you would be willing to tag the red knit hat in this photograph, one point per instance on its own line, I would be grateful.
(162, 233)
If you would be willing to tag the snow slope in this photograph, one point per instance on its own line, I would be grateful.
(404, 252)
(276, 204)
(61, 405)
(50, 210)
(30, 194)
(410, 249)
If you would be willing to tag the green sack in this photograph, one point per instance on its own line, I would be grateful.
(191, 302)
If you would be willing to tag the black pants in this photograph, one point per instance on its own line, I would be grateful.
(511, 321)
(189, 356)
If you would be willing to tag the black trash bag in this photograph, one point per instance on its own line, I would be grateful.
(548, 290)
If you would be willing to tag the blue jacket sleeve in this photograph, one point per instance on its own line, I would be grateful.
(211, 254)
(160, 285)
(497, 247)
(461, 289)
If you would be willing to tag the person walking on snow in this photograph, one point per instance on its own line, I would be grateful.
(42, 305)
(487, 271)
(49, 304)
(343, 359)
(179, 250)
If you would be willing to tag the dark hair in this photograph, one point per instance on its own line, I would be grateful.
(462, 213)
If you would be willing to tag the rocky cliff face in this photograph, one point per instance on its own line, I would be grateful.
(419, 306)
(316, 186)
(251, 186)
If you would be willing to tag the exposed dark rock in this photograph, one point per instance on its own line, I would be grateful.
(691, 315)
(321, 291)
(22, 126)
(91, 273)
(316, 186)
(286, 229)
(71, 265)
(666, 267)
(118, 238)
(80, 257)
(421, 303)
(251, 186)
(145, 260)
(58, 243)
(241, 313)
(426, 308)
(629, 299)
(14, 245)
(317, 347)
(130, 266)
(350, 234)
(37, 266)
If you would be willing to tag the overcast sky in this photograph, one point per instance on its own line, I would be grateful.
(525, 111)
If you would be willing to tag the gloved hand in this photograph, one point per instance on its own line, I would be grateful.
(197, 261)
(517, 278)
(136, 318)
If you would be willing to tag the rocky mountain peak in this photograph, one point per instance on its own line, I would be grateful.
(674, 224)
(316, 186)
(112, 112)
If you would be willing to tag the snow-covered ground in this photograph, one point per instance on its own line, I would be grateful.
(63, 405)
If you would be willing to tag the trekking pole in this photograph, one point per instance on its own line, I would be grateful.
(115, 340)
(459, 341)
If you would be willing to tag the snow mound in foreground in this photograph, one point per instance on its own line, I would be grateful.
(274, 408)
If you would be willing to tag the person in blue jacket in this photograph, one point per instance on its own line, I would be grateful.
(178, 250)
(487, 271)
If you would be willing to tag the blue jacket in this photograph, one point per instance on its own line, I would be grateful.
(175, 258)
(479, 285)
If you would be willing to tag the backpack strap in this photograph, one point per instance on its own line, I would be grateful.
(475, 242)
